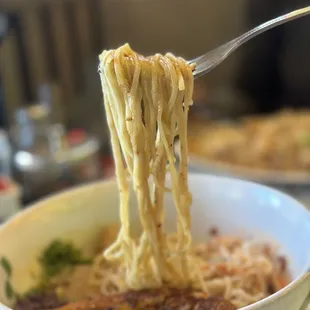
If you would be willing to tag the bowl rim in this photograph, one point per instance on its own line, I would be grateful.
(112, 182)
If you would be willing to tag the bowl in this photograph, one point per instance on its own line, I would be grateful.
(236, 207)
(274, 178)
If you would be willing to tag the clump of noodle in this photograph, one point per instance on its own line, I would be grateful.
(240, 271)
(146, 102)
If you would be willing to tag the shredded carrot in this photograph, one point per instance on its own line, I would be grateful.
(224, 269)
(279, 281)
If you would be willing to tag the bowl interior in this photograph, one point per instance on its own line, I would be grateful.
(234, 206)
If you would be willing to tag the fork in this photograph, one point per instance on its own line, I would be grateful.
(207, 62)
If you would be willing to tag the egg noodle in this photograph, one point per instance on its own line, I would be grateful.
(146, 102)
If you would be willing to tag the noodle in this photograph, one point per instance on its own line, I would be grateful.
(146, 102)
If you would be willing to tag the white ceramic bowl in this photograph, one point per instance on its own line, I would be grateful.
(234, 206)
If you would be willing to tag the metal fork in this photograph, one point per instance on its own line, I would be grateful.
(205, 63)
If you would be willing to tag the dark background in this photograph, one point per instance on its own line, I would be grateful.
(56, 43)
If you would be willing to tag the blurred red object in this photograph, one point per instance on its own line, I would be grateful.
(76, 136)
(10, 194)
(4, 184)
(108, 167)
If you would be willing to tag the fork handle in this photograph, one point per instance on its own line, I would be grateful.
(205, 63)
(270, 24)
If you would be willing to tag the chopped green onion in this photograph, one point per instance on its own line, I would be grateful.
(6, 266)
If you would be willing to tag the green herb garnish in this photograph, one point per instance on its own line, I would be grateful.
(9, 292)
(6, 266)
(60, 255)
